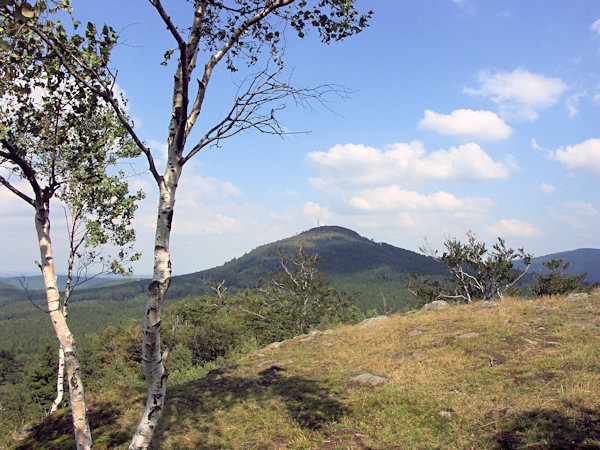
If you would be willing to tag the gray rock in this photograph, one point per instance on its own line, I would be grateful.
(544, 308)
(530, 341)
(489, 304)
(369, 378)
(436, 305)
(414, 332)
(272, 346)
(577, 296)
(445, 414)
(373, 320)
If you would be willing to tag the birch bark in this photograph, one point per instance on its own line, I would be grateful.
(83, 436)
(153, 362)
(59, 380)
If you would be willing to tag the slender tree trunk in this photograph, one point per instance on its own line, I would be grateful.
(59, 380)
(153, 361)
(83, 437)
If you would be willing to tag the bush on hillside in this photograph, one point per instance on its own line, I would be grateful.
(477, 272)
(557, 281)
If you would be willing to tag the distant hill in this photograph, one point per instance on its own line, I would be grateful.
(343, 252)
(374, 271)
(582, 260)
(36, 282)
(351, 262)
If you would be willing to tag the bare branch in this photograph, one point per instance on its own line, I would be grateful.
(28, 294)
(167, 20)
(28, 171)
(216, 57)
(256, 107)
(15, 191)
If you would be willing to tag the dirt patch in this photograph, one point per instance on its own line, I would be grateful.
(493, 357)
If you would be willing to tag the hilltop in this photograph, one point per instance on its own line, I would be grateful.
(521, 374)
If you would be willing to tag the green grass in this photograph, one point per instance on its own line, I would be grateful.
(529, 379)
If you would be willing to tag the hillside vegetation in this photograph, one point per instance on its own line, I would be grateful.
(356, 265)
(520, 374)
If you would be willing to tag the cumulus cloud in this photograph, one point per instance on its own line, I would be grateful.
(213, 224)
(392, 198)
(547, 188)
(572, 104)
(477, 124)
(577, 214)
(519, 94)
(315, 211)
(159, 151)
(584, 156)
(404, 165)
(596, 26)
(514, 228)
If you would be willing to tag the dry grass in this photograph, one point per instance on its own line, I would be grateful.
(525, 374)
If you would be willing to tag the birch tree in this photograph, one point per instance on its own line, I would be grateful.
(236, 34)
(61, 142)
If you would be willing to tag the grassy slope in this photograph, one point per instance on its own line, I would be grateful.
(530, 378)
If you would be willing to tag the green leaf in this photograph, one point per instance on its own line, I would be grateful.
(4, 45)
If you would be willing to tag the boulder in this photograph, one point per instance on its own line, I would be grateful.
(577, 296)
(373, 320)
(489, 304)
(369, 378)
(436, 305)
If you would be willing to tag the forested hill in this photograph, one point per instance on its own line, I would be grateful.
(343, 253)
(582, 260)
(353, 263)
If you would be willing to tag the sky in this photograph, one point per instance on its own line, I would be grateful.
(460, 115)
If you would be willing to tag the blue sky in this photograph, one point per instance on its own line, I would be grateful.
(463, 115)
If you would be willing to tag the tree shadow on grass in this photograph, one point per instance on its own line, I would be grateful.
(192, 411)
(552, 429)
(191, 407)
(56, 430)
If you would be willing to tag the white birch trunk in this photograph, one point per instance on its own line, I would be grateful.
(153, 363)
(83, 437)
(59, 380)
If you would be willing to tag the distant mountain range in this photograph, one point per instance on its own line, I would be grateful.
(582, 260)
(354, 263)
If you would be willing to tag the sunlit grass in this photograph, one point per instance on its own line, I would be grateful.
(525, 373)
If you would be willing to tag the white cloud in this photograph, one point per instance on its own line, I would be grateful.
(584, 156)
(577, 214)
(547, 188)
(572, 102)
(519, 94)
(159, 152)
(478, 124)
(405, 165)
(392, 198)
(213, 224)
(596, 26)
(514, 228)
(315, 211)
(197, 188)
